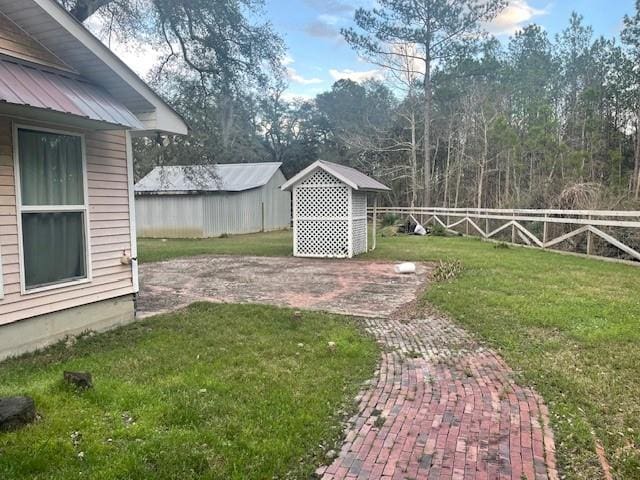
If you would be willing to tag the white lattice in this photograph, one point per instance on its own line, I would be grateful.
(322, 219)
(325, 202)
(322, 238)
(320, 177)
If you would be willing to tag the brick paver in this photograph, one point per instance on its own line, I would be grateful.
(443, 407)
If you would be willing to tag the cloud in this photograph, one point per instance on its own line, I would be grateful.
(297, 97)
(330, 6)
(320, 29)
(287, 60)
(515, 16)
(356, 76)
(294, 76)
(329, 19)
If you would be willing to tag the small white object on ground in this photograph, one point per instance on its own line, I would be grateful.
(420, 230)
(406, 267)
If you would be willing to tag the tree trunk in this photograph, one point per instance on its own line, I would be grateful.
(414, 161)
(428, 105)
(483, 161)
(445, 200)
(636, 169)
(507, 185)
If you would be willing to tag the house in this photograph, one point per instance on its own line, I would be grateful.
(68, 110)
(211, 200)
(330, 210)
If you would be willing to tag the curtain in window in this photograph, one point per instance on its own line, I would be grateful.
(51, 175)
(50, 169)
(53, 247)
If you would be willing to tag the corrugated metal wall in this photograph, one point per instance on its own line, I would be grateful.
(211, 215)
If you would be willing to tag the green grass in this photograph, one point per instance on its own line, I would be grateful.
(214, 391)
(260, 244)
(569, 326)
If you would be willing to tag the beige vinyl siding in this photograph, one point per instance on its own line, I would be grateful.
(14, 42)
(108, 224)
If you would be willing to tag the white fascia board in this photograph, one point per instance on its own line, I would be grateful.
(166, 119)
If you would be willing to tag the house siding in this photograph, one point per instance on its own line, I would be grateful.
(14, 42)
(109, 236)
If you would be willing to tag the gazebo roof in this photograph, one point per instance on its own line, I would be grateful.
(352, 177)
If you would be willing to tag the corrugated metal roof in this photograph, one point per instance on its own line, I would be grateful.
(348, 175)
(58, 31)
(33, 87)
(230, 177)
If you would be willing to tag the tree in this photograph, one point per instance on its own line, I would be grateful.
(437, 29)
(631, 38)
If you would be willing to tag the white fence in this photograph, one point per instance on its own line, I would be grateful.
(581, 229)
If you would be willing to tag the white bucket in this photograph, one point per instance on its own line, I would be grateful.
(406, 267)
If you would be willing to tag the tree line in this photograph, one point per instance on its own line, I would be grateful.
(460, 120)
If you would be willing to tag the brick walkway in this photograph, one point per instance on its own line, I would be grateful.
(443, 407)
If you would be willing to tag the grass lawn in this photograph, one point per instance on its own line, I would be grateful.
(214, 391)
(568, 325)
(261, 244)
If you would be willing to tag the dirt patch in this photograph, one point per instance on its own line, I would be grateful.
(355, 287)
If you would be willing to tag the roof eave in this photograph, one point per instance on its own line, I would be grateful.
(30, 113)
(166, 119)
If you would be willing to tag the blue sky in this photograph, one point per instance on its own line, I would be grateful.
(317, 56)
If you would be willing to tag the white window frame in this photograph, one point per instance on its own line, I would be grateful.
(20, 209)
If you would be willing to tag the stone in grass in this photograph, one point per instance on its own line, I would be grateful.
(16, 412)
(79, 379)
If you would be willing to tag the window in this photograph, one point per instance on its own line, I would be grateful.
(53, 208)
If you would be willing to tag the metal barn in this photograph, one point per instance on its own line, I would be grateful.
(330, 210)
(213, 200)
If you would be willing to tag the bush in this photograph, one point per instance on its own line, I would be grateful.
(448, 270)
(389, 219)
(438, 231)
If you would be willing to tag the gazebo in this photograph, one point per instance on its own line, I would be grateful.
(330, 210)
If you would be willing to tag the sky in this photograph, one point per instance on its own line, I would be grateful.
(317, 55)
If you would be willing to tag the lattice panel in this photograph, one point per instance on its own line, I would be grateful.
(322, 238)
(318, 202)
(359, 236)
(320, 177)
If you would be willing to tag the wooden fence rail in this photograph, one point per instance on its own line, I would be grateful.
(551, 225)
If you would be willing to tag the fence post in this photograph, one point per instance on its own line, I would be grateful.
(467, 223)
(544, 231)
(513, 227)
(589, 239)
(486, 225)
(375, 220)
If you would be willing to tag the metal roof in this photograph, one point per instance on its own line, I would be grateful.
(230, 177)
(352, 177)
(58, 31)
(38, 88)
